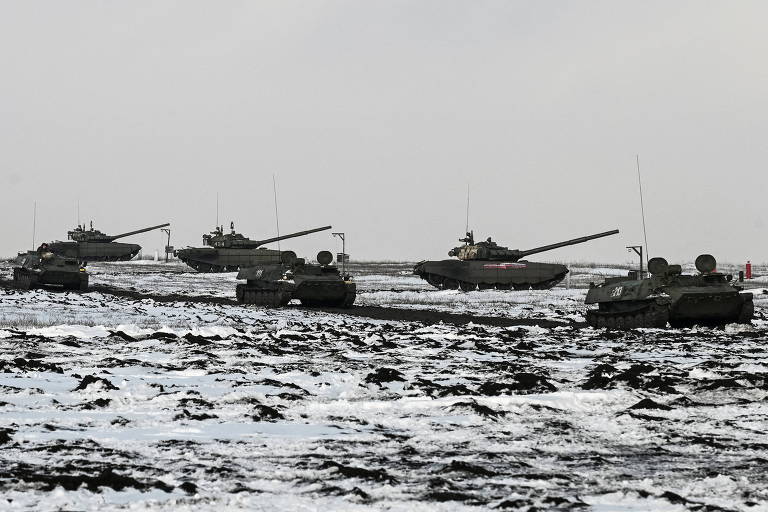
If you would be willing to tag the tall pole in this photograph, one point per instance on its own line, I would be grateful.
(642, 208)
(466, 225)
(217, 210)
(277, 217)
(34, 224)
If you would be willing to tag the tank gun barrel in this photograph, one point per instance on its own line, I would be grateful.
(257, 243)
(567, 242)
(144, 230)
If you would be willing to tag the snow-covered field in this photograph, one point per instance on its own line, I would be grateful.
(109, 402)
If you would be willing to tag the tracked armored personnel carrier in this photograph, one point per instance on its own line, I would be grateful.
(93, 245)
(44, 268)
(318, 284)
(669, 296)
(229, 252)
(487, 265)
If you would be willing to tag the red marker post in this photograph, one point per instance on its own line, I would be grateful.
(748, 270)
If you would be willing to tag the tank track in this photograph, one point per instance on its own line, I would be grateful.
(442, 283)
(262, 296)
(210, 268)
(654, 315)
(24, 280)
(345, 302)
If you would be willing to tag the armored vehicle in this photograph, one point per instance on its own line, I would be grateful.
(44, 268)
(312, 284)
(229, 252)
(487, 265)
(93, 245)
(668, 295)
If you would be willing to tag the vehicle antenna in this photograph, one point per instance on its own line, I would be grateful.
(217, 209)
(466, 230)
(277, 217)
(34, 224)
(642, 208)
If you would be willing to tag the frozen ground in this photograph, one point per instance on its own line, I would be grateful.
(108, 402)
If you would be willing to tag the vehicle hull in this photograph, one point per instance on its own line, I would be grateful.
(473, 274)
(95, 251)
(209, 259)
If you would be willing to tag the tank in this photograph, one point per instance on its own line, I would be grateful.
(44, 268)
(229, 252)
(93, 245)
(318, 284)
(668, 296)
(486, 265)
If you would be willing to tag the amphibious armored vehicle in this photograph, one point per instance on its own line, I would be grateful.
(708, 298)
(312, 284)
(487, 265)
(229, 252)
(44, 268)
(93, 245)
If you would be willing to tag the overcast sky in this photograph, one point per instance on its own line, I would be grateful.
(376, 115)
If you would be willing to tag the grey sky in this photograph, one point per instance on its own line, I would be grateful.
(375, 115)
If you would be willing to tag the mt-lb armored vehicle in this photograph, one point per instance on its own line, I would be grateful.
(44, 268)
(487, 265)
(312, 284)
(229, 252)
(93, 245)
(668, 295)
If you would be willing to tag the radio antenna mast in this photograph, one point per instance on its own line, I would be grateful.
(217, 209)
(466, 230)
(642, 208)
(277, 217)
(34, 224)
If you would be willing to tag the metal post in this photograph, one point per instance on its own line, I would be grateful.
(343, 253)
(168, 243)
(639, 251)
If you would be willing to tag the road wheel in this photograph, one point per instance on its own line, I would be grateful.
(436, 281)
(610, 322)
(450, 284)
(522, 286)
(485, 286)
(619, 322)
(466, 286)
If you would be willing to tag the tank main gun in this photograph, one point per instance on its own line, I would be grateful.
(80, 234)
(491, 251)
(573, 241)
(256, 243)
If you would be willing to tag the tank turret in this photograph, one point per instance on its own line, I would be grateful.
(491, 251)
(486, 265)
(94, 245)
(80, 234)
(233, 240)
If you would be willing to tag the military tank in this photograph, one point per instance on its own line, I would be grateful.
(318, 284)
(707, 298)
(229, 252)
(44, 268)
(486, 265)
(94, 245)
